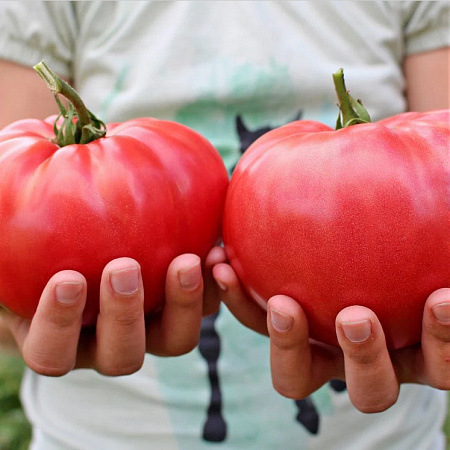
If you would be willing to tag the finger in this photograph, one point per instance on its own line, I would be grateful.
(50, 346)
(211, 298)
(436, 339)
(246, 310)
(371, 380)
(120, 327)
(177, 330)
(297, 368)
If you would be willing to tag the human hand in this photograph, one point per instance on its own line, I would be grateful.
(373, 375)
(54, 342)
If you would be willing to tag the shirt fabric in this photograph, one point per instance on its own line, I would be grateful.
(231, 70)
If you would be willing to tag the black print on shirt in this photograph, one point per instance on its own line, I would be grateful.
(215, 426)
(247, 137)
(307, 414)
(338, 385)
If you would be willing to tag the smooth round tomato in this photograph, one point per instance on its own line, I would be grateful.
(357, 216)
(149, 190)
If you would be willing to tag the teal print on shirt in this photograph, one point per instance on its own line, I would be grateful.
(227, 94)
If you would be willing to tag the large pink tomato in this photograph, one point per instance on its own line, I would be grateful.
(357, 216)
(149, 189)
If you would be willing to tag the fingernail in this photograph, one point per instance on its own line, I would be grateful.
(125, 281)
(68, 292)
(442, 312)
(357, 331)
(280, 321)
(222, 286)
(189, 277)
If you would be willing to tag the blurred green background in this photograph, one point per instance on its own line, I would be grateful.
(15, 432)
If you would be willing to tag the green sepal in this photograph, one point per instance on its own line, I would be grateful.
(338, 122)
(360, 110)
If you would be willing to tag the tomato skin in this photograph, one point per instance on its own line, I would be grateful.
(358, 216)
(149, 190)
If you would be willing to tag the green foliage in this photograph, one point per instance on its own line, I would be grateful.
(447, 422)
(15, 431)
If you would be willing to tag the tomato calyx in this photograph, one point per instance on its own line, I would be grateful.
(78, 124)
(351, 111)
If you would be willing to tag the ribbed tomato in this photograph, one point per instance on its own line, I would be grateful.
(149, 189)
(355, 216)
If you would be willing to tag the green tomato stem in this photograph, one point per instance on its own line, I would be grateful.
(87, 127)
(351, 111)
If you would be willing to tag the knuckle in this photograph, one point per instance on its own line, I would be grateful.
(290, 391)
(112, 369)
(60, 318)
(47, 368)
(363, 357)
(286, 341)
(373, 409)
(169, 345)
(441, 380)
(124, 317)
(188, 299)
(377, 406)
(129, 318)
(283, 344)
(180, 348)
(63, 320)
(439, 331)
(443, 385)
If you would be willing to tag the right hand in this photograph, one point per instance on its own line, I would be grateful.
(300, 365)
(54, 342)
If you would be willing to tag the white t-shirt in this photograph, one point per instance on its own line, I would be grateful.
(230, 70)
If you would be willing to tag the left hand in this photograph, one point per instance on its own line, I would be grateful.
(53, 342)
(299, 365)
